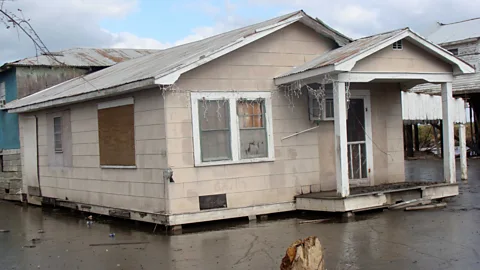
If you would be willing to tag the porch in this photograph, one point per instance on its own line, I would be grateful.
(400, 59)
(374, 197)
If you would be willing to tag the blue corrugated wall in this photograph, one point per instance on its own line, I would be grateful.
(9, 137)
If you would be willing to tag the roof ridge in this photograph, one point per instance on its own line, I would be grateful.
(467, 20)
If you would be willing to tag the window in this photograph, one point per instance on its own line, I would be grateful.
(116, 133)
(454, 51)
(57, 134)
(321, 109)
(398, 45)
(232, 127)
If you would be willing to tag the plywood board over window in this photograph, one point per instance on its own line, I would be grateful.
(116, 133)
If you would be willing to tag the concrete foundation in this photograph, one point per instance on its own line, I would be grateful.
(10, 175)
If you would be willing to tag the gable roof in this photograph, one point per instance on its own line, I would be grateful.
(166, 66)
(456, 32)
(82, 57)
(343, 59)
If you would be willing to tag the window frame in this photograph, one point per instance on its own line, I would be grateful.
(58, 132)
(233, 98)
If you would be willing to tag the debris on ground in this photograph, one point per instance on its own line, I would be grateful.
(415, 202)
(304, 254)
(424, 207)
(313, 221)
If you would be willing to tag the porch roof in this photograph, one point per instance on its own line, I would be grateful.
(343, 59)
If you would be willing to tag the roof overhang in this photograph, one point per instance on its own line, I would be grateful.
(347, 64)
(121, 89)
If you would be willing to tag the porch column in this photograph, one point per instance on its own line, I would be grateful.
(463, 151)
(341, 159)
(448, 138)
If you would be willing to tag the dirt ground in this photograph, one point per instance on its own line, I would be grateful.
(436, 239)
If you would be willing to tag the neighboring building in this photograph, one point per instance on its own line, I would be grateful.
(24, 77)
(462, 39)
(248, 122)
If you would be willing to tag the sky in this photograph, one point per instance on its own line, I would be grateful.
(158, 24)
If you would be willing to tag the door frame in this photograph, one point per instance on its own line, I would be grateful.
(365, 95)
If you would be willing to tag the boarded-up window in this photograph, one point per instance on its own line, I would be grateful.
(116, 134)
(57, 134)
(214, 130)
(253, 133)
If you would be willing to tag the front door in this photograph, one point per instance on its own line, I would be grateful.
(358, 140)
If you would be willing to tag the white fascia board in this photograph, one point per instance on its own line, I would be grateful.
(171, 78)
(363, 77)
(304, 75)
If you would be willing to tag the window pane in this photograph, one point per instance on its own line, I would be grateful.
(329, 108)
(214, 130)
(253, 143)
(57, 133)
(215, 145)
(214, 115)
(250, 114)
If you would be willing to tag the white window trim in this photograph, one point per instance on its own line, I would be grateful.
(234, 126)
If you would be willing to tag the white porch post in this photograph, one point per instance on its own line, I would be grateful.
(463, 151)
(341, 159)
(448, 138)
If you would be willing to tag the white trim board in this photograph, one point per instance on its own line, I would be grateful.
(234, 125)
(115, 103)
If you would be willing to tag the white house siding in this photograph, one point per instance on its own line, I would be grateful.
(140, 189)
(296, 166)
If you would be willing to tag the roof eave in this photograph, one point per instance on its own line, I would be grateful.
(96, 94)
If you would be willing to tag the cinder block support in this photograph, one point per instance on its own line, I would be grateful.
(448, 138)
(463, 151)
(341, 159)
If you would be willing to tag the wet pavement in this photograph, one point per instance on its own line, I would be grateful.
(436, 239)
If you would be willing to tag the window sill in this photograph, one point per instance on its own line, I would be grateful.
(230, 162)
(117, 167)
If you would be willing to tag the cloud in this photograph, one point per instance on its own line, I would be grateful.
(367, 17)
(65, 24)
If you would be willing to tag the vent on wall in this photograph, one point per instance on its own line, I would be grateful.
(398, 45)
(213, 201)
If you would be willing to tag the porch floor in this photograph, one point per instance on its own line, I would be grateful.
(365, 198)
(358, 191)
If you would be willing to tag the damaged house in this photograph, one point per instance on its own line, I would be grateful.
(24, 77)
(281, 115)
